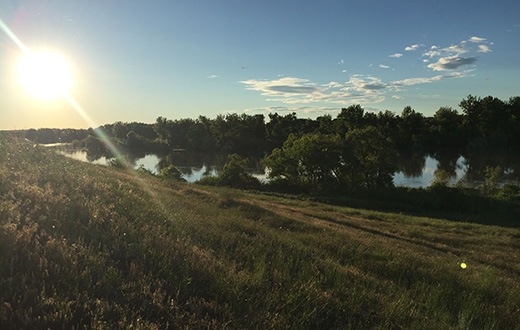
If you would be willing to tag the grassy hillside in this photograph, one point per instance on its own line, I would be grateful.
(92, 247)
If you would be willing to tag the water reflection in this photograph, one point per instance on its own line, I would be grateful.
(411, 164)
(448, 161)
(414, 169)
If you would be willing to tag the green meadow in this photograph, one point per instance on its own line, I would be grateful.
(91, 247)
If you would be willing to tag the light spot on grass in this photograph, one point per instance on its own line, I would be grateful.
(463, 265)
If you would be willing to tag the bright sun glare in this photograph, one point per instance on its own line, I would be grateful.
(45, 75)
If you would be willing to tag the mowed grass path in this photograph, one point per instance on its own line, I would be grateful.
(91, 247)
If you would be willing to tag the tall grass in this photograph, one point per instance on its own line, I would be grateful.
(91, 247)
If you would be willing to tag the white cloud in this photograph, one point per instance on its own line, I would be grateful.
(426, 61)
(465, 46)
(384, 66)
(417, 81)
(456, 49)
(282, 87)
(483, 49)
(301, 91)
(213, 76)
(341, 61)
(451, 63)
(413, 47)
(345, 70)
(358, 89)
(433, 53)
(396, 55)
(396, 97)
(476, 39)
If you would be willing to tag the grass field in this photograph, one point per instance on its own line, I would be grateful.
(91, 247)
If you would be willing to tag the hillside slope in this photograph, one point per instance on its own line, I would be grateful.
(85, 246)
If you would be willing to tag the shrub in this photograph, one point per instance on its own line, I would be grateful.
(233, 175)
(172, 172)
(116, 162)
(441, 178)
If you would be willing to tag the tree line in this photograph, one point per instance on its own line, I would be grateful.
(485, 123)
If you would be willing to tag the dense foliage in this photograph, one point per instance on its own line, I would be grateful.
(485, 123)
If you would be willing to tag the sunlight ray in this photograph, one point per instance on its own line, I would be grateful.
(112, 148)
(13, 37)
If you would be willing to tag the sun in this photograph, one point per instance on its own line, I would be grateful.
(45, 75)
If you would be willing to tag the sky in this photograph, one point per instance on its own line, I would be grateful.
(138, 60)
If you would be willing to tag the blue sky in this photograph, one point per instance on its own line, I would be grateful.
(137, 60)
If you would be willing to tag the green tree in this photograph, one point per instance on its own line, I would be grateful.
(493, 177)
(369, 159)
(349, 118)
(486, 118)
(313, 160)
(234, 174)
(448, 128)
(412, 130)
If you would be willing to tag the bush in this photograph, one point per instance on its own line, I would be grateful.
(233, 175)
(172, 172)
(441, 178)
(210, 181)
(116, 162)
(144, 170)
(509, 192)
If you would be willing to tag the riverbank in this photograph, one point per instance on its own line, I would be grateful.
(92, 246)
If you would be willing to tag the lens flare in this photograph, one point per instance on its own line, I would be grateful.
(61, 87)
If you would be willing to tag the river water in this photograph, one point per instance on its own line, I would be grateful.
(414, 171)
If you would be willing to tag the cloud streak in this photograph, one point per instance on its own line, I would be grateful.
(359, 89)
(451, 63)
(413, 47)
(483, 49)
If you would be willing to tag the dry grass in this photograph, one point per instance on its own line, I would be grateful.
(84, 246)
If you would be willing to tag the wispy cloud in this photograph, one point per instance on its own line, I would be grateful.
(413, 47)
(450, 58)
(451, 50)
(282, 87)
(366, 89)
(483, 49)
(417, 81)
(476, 39)
(359, 89)
(213, 76)
(451, 63)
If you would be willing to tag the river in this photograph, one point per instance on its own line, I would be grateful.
(415, 170)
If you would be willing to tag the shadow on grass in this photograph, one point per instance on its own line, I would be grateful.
(455, 204)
